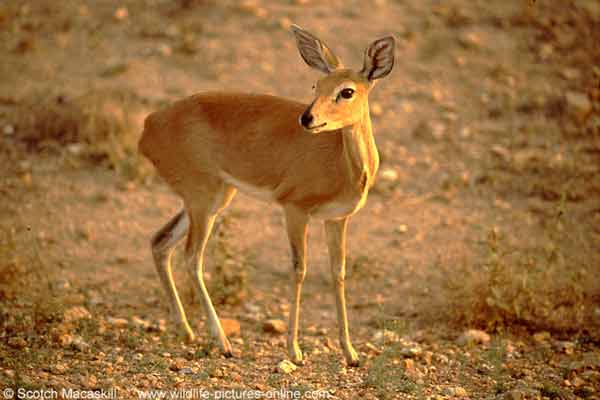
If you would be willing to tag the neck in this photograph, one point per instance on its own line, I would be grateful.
(360, 153)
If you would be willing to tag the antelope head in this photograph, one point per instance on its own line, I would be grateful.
(341, 96)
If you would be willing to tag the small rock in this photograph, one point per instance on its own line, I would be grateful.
(578, 105)
(79, 344)
(442, 358)
(565, 347)
(411, 351)
(178, 364)
(570, 74)
(186, 371)
(427, 357)
(61, 284)
(501, 151)
(546, 51)
(384, 336)
(456, 391)
(376, 109)
(158, 326)
(58, 369)
(230, 326)
(473, 336)
(470, 40)
(76, 313)
(17, 342)
(513, 395)
(64, 339)
(577, 382)
(402, 228)
(164, 49)
(389, 174)
(140, 323)
(541, 337)
(117, 322)
(373, 348)
(285, 23)
(8, 130)
(275, 326)
(121, 13)
(286, 367)
(408, 365)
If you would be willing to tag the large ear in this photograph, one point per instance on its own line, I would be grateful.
(379, 58)
(314, 52)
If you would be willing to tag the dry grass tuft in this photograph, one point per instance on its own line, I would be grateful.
(539, 288)
(97, 128)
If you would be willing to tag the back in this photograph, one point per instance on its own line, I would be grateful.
(255, 139)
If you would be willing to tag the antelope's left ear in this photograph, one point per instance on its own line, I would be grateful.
(379, 58)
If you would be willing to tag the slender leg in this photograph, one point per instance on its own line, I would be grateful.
(336, 242)
(202, 220)
(163, 244)
(296, 223)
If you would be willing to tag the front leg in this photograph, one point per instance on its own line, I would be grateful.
(336, 242)
(296, 223)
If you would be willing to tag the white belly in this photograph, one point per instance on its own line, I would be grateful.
(250, 190)
(339, 208)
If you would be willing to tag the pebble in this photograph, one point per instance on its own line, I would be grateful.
(457, 391)
(178, 364)
(76, 313)
(470, 40)
(231, 327)
(578, 105)
(8, 130)
(473, 336)
(121, 13)
(17, 342)
(413, 350)
(565, 347)
(275, 326)
(389, 174)
(541, 337)
(117, 322)
(140, 323)
(385, 336)
(286, 367)
(376, 109)
(402, 228)
(58, 369)
(79, 344)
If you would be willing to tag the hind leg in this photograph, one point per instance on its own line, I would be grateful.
(203, 209)
(164, 243)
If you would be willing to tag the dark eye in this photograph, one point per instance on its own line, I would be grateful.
(347, 93)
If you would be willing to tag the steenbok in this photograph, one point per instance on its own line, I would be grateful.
(317, 160)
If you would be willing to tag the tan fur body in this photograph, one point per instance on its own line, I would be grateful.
(255, 139)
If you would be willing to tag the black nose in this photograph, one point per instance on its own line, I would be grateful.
(306, 118)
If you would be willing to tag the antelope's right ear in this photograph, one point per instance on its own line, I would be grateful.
(314, 52)
(379, 58)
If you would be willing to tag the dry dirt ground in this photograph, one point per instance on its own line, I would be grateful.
(486, 214)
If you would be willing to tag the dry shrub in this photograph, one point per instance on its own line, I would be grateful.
(98, 128)
(539, 288)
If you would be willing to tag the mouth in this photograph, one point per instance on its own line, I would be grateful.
(316, 128)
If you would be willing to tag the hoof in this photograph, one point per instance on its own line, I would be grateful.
(353, 363)
(352, 358)
(298, 361)
(226, 348)
(227, 354)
